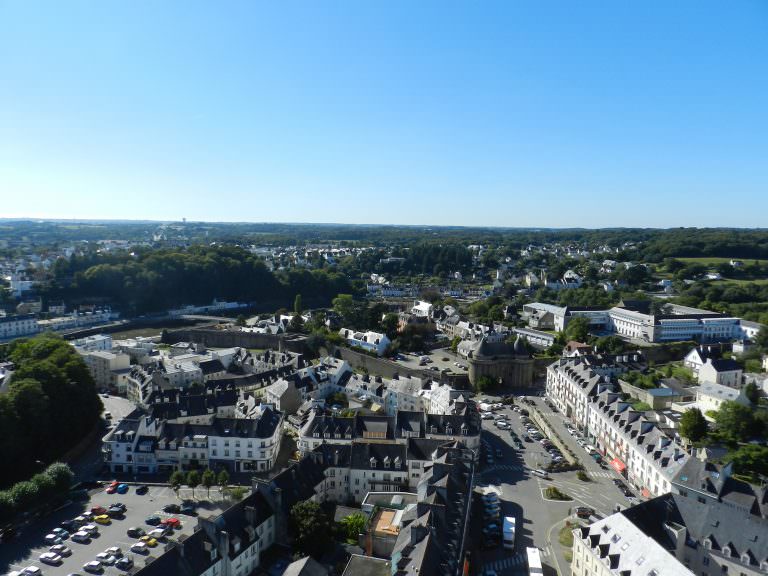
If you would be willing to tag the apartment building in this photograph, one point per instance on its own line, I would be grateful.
(571, 384)
(18, 326)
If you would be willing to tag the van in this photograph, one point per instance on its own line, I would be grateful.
(108, 415)
(540, 474)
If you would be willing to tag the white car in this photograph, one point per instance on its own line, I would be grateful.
(106, 559)
(94, 567)
(52, 539)
(90, 529)
(82, 537)
(60, 549)
(157, 533)
(31, 571)
(486, 416)
(140, 548)
(50, 558)
(114, 551)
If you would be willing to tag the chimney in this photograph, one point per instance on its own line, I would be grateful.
(250, 515)
(336, 458)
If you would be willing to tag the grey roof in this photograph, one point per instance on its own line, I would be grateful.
(367, 566)
(188, 558)
(306, 566)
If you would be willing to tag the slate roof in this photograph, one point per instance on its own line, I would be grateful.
(193, 560)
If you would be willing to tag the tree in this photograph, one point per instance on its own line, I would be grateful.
(208, 480)
(310, 528)
(693, 425)
(240, 321)
(761, 339)
(297, 305)
(354, 525)
(455, 341)
(484, 384)
(193, 480)
(752, 392)
(751, 459)
(222, 479)
(344, 305)
(389, 325)
(577, 329)
(734, 421)
(176, 480)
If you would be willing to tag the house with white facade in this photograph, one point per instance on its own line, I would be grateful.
(722, 371)
(368, 340)
(18, 326)
(710, 397)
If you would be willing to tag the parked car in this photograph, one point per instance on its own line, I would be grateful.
(115, 511)
(91, 529)
(149, 541)
(172, 508)
(114, 551)
(153, 520)
(94, 567)
(81, 537)
(141, 490)
(112, 487)
(31, 571)
(188, 509)
(98, 510)
(135, 532)
(105, 558)
(140, 548)
(102, 519)
(122, 488)
(51, 539)
(584, 511)
(159, 533)
(60, 549)
(50, 558)
(124, 563)
(69, 525)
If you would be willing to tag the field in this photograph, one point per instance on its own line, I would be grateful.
(714, 261)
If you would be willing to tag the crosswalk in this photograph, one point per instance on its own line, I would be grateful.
(600, 474)
(519, 559)
(505, 467)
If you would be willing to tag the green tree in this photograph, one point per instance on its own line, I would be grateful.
(485, 384)
(752, 392)
(344, 305)
(176, 480)
(353, 525)
(455, 343)
(222, 479)
(7, 506)
(761, 339)
(751, 459)
(310, 528)
(208, 480)
(193, 480)
(734, 422)
(25, 494)
(62, 476)
(693, 425)
(577, 329)
(297, 305)
(389, 325)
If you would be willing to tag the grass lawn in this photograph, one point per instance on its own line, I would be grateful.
(713, 261)
(565, 537)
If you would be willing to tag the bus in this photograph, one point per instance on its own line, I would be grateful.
(534, 561)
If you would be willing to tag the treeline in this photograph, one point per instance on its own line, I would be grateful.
(694, 243)
(430, 258)
(156, 280)
(23, 496)
(51, 405)
(748, 300)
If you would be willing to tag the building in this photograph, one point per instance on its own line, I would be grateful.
(696, 358)
(143, 444)
(109, 370)
(571, 385)
(230, 544)
(615, 545)
(99, 342)
(723, 371)
(710, 397)
(18, 326)
(682, 535)
(371, 341)
(636, 447)
(492, 357)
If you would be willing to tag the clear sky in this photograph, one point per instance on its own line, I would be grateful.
(514, 113)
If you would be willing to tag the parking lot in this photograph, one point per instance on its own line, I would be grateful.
(26, 548)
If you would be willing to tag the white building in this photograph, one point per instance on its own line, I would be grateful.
(369, 340)
(422, 309)
(99, 342)
(614, 545)
(721, 371)
(107, 368)
(710, 397)
(18, 326)
(571, 384)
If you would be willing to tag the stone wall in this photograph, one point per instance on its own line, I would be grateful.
(236, 338)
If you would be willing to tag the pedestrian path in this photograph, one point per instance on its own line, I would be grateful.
(507, 467)
(601, 474)
(519, 559)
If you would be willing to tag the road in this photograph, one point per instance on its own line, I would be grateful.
(538, 519)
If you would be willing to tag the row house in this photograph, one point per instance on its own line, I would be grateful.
(143, 444)
(571, 384)
(635, 446)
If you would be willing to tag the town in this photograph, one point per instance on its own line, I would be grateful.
(517, 403)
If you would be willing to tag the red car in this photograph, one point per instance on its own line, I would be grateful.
(112, 488)
(98, 510)
(171, 523)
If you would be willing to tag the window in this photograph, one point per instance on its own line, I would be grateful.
(250, 454)
(237, 453)
(226, 452)
(213, 452)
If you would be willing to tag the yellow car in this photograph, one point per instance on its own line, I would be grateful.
(102, 519)
(149, 541)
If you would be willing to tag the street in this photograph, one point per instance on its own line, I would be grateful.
(522, 493)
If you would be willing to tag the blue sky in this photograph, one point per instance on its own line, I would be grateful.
(540, 113)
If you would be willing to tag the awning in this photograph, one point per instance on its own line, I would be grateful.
(618, 465)
(645, 492)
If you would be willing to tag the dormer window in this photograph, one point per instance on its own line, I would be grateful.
(727, 551)
(386, 462)
(316, 435)
(745, 559)
(448, 430)
(373, 462)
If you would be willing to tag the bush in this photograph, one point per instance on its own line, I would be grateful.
(581, 475)
(552, 493)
